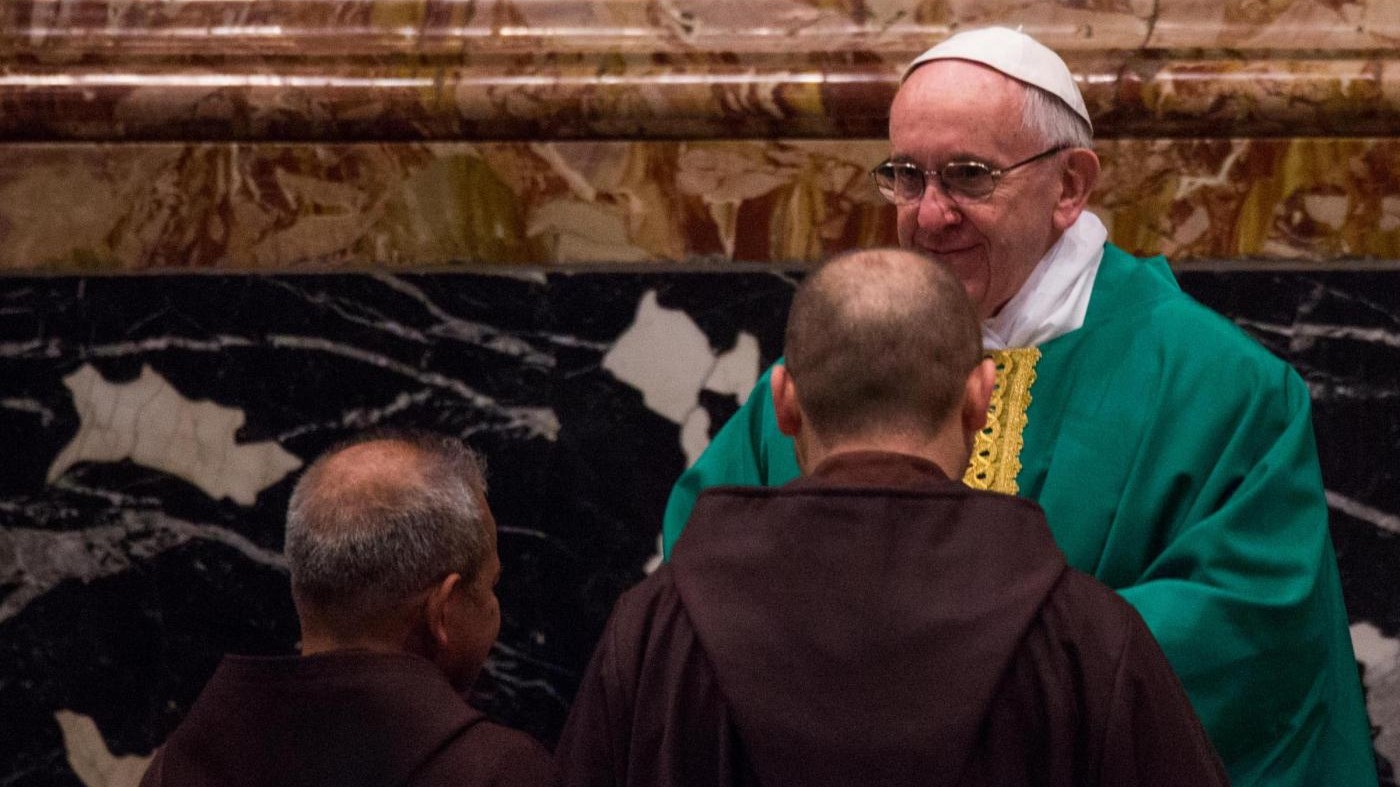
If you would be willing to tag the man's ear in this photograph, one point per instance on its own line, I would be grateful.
(1077, 181)
(436, 608)
(978, 395)
(785, 407)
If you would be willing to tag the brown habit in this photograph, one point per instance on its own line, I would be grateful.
(877, 624)
(343, 719)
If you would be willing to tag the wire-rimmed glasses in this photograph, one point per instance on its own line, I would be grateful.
(903, 182)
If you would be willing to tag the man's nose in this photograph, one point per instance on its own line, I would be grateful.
(936, 208)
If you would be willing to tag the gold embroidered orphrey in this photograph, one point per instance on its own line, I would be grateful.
(996, 453)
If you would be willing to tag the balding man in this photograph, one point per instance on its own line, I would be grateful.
(392, 552)
(876, 622)
(1173, 456)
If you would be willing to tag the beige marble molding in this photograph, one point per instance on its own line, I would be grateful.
(135, 207)
(57, 29)
(413, 70)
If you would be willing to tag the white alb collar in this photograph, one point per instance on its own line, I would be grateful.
(1054, 299)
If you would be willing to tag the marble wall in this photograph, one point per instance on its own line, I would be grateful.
(154, 426)
(73, 208)
(233, 231)
(270, 134)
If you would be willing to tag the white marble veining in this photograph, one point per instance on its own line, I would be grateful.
(737, 370)
(360, 418)
(503, 666)
(33, 561)
(666, 356)
(1381, 519)
(152, 424)
(1381, 655)
(456, 329)
(531, 421)
(695, 434)
(1302, 335)
(734, 373)
(89, 757)
(1378, 652)
(45, 414)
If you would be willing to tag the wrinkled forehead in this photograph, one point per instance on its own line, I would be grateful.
(943, 86)
(954, 107)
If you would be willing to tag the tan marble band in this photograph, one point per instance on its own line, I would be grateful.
(1129, 98)
(71, 29)
(292, 134)
(414, 70)
(135, 207)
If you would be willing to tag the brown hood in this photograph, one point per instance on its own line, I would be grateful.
(343, 718)
(860, 619)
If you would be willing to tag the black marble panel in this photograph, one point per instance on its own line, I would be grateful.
(124, 576)
(141, 500)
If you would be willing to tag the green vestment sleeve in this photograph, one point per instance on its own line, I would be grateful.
(1175, 461)
(1244, 596)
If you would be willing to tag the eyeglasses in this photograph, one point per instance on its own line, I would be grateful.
(904, 183)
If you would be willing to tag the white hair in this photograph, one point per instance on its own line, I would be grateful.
(357, 550)
(1045, 115)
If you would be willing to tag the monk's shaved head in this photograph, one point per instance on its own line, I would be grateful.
(377, 519)
(880, 342)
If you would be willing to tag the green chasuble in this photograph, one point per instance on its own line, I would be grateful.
(1175, 461)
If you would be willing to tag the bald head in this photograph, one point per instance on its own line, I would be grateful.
(376, 520)
(878, 343)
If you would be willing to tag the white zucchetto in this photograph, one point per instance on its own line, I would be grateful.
(1014, 54)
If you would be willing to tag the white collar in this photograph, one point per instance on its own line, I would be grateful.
(1054, 299)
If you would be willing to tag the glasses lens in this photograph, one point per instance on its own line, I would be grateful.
(970, 178)
(908, 183)
(883, 175)
(899, 182)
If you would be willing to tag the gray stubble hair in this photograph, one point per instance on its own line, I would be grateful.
(357, 550)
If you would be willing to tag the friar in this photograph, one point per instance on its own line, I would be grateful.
(876, 621)
(392, 551)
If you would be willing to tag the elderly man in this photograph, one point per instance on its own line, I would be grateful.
(1173, 456)
(876, 622)
(392, 551)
